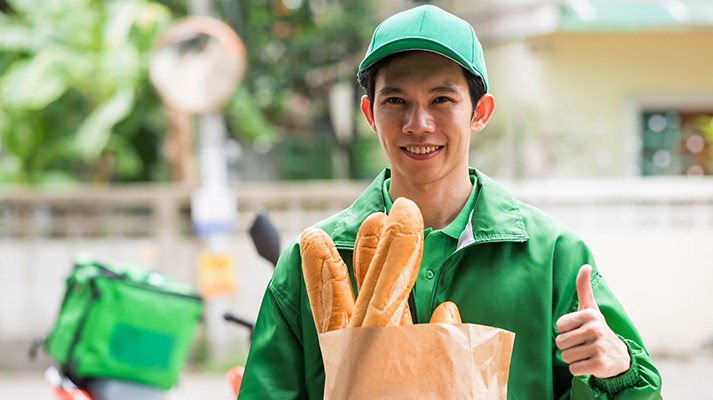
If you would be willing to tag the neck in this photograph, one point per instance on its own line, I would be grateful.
(439, 202)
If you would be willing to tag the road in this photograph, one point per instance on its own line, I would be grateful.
(683, 379)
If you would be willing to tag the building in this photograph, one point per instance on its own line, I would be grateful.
(594, 87)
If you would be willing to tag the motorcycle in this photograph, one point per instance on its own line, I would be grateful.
(68, 388)
(64, 387)
(111, 340)
(266, 239)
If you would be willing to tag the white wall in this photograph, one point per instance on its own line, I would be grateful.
(569, 101)
(663, 281)
(651, 239)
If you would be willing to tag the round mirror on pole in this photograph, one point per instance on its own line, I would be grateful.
(197, 64)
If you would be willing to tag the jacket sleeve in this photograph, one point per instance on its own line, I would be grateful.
(642, 381)
(275, 364)
(274, 368)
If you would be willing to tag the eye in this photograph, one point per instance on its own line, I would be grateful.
(394, 100)
(442, 99)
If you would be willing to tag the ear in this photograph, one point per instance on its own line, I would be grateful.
(483, 112)
(368, 112)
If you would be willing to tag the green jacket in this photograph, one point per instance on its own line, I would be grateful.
(517, 272)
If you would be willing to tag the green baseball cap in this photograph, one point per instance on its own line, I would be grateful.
(428, 28)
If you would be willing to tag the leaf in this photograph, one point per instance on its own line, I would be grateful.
(120, 20)
(127, 160)
(22, 139)
(54, 151)
(10, 169)
(93, 134)
(152, 16)
(33, 84)
(15, 37)
(248, 119)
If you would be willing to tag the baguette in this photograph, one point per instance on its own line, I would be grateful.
(393, 270)
(446, 312)
(367, 240)
(327, 281)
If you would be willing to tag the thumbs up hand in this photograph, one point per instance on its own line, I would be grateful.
(588, 345)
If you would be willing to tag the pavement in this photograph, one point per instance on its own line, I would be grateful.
(683, 379)
(30, 385)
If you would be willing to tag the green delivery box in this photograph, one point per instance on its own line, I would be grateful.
(121, 322)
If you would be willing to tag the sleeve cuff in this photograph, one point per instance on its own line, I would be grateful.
(622, 381)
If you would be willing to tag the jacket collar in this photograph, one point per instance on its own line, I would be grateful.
(496, 216)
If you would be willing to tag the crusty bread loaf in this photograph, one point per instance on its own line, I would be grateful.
(367, 240)
(365, 245)
(446, 312)
(393, 270)
(327, 281)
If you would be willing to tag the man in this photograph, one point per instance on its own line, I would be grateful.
(504, 263)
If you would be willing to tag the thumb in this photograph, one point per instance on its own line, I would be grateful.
(584, 288)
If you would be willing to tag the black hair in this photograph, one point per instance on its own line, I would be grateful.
(367, 79)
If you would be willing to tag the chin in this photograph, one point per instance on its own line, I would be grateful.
(422, 176)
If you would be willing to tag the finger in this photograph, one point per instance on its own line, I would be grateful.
(567, 341)
(577, 354)
(584, 288)
(570, 322)
(584, 331)
(583, 367)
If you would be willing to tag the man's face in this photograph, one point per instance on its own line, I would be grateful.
(423, 115)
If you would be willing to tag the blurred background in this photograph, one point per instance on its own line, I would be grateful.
(604, 119)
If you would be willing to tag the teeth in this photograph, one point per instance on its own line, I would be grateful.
(421, 150)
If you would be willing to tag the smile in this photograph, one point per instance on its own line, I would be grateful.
(422, 149)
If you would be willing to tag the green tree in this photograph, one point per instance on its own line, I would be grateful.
(296, 50)
(75, 102)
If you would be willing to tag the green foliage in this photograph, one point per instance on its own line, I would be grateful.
(296, 50)
(705, 124)
(247, 118)
(74, 95)
(76, 103)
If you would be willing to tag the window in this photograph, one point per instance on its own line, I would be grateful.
(677, 142)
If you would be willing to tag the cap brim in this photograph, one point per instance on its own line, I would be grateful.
(415, 43)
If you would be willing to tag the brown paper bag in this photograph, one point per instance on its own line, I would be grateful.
(423, 361)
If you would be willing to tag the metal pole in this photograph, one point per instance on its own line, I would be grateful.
(215, 210)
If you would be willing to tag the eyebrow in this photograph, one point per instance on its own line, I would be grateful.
(442, 88)
(386, 90)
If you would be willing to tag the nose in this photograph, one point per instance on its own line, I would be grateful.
(418, 120)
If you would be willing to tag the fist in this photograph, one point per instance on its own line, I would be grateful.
(587, 343)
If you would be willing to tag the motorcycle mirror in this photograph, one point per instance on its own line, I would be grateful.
(265, 237)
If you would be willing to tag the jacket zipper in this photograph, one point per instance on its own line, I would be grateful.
(438, 274)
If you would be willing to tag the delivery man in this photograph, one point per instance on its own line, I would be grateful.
(504, 263)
